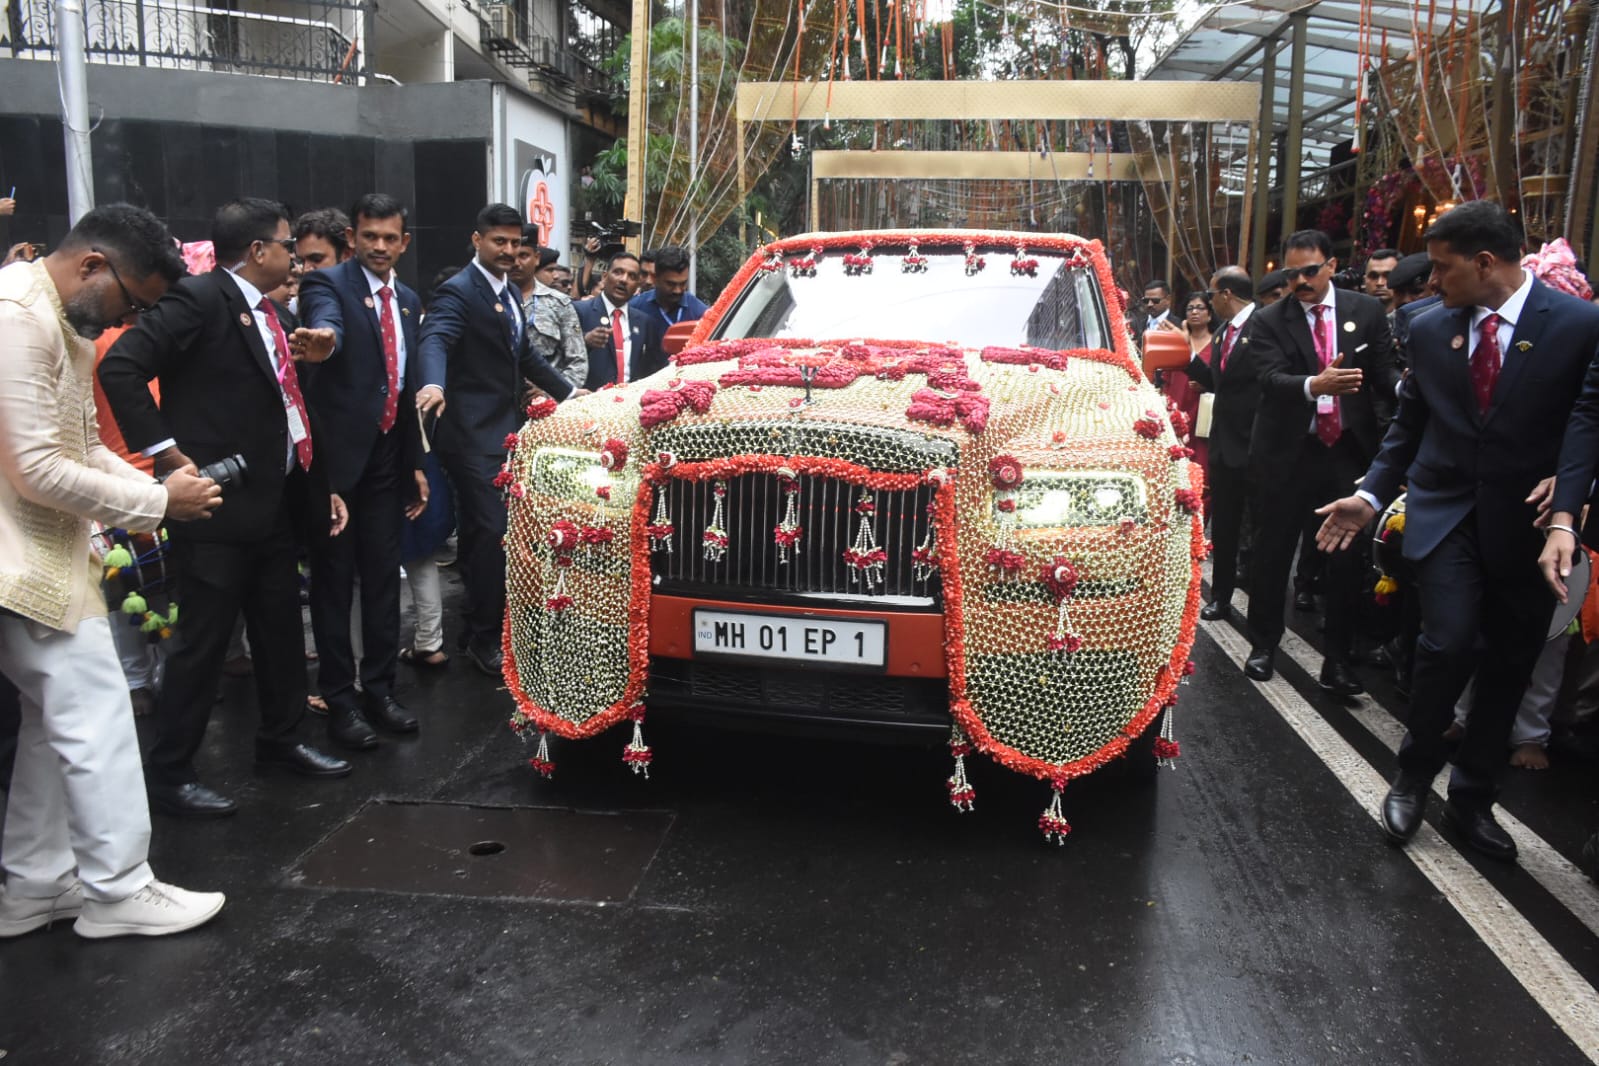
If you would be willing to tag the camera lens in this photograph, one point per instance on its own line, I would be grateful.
(229, 472)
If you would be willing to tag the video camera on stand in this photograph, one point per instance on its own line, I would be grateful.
(613, 238)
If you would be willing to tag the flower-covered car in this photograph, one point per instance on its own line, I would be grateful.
(903, 480)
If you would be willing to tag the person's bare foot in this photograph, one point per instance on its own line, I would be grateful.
(1455, 731)
(1529, 757)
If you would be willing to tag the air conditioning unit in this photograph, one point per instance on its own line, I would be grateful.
(499, 21)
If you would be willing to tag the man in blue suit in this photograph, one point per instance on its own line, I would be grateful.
(474, 349)
(668, 301)
(624, 343)
(1494, 376)
(373, 449)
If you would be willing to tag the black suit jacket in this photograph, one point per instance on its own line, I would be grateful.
(348, 391)
(1456, 460)
(219, 396)
(1237, 389)
(465, 348)
(647, 331)
(1284, 355)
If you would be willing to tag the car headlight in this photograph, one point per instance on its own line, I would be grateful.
(571, 474)
(1079, 498)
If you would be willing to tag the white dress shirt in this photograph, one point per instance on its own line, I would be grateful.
(377, 283)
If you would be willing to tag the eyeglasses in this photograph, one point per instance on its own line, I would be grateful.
(1306, 272)
(1153, 300)
(136, 306)
(288, 244)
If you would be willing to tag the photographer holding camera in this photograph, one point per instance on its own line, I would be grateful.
(230, 385)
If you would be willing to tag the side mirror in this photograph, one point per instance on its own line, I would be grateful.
(1165, 349)
(677, 335)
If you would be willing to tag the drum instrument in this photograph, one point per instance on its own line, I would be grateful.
(1388, 541)
(1576, 592)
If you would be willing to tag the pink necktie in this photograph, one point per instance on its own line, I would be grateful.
(289, 379)
(1328, 426)
(391, 360)
(619, 341)
(1485, 363)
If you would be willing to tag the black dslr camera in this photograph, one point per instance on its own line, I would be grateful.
(230, 472)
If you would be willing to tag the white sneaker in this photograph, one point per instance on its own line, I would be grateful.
(19, 914)
(157, 909)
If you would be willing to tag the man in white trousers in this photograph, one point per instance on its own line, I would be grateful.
(77, 828)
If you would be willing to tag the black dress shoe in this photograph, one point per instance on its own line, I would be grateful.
(387, 713)
(1339, 679)
(303, 759)
(1217, 610)
(191, 800)
(489, 662)
(1304, 601)
(1260, 664)
(349, 729)
(1477, 827)
(1403, 807)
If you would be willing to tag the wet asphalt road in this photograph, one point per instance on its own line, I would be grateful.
(800, 901)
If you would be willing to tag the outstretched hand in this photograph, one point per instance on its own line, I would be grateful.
(1345, 519)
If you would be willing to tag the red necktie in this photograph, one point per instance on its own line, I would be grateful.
(1485, 363)
(619, 340)
(1229, 335)
(391, 360)
(288, 379)
(1328, 426)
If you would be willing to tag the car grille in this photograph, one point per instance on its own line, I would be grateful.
(752, 509)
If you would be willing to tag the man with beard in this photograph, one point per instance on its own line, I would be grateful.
(77, 829)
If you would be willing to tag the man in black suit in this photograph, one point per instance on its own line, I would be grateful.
(1230, 374)
(474, 348)
(372, 448)
(611, 325)
(1325, 361)
(229, 384)
(1494, 381)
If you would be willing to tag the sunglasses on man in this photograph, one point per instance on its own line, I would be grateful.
(1306, 272)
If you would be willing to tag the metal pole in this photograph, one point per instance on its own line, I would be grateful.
(1265, 152)
(75, 100)
(693, 145)
(638, 125)
(1296, 122)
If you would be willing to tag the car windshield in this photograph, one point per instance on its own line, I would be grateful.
(1058, 307)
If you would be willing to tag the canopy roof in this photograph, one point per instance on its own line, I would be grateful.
(1230, 42)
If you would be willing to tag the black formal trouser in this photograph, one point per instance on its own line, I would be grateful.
(1479, 616)
(216, 581)
(1229, 494)
(369, 548)
(1318, 476)
(480, 536)
(1312, 564)
(10, 722)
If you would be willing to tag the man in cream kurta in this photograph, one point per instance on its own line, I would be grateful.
(77, 828)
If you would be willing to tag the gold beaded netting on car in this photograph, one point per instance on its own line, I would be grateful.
(1045, 496)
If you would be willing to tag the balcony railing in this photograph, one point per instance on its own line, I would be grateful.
(505, 33)
(308, 40)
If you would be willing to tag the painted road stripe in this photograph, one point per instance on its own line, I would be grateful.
(1557, 988)
(1558, 875)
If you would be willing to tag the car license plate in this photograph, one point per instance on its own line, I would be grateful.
(793, 637)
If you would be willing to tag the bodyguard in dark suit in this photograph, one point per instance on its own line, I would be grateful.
(229, 384)
(474, 355)
(1326, 397)
(372, 448)
(1494, 376)
(610, 325)
(1230, 375)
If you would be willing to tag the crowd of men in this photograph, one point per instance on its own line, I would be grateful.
(1459, 378)
(291, 400)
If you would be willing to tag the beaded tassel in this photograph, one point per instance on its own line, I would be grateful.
(787, 532)
(637, 754)
(715, 536)
(1166, 747)
(1052, 823)
(660, 528)
(866, 560)
(541, 758)
(924, 557)
(961, 792)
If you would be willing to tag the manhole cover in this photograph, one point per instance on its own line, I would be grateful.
(449, 849)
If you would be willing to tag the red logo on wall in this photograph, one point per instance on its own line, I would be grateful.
(541, 212)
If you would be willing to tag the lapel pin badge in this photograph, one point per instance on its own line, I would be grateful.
(406, 311)
(245, 320)
(369, 302)
(499, 309)
(1458, 343)
(1522, 346)
(1349, 327)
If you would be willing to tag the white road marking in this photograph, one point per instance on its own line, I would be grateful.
(1557, 874)
(1554, 985)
